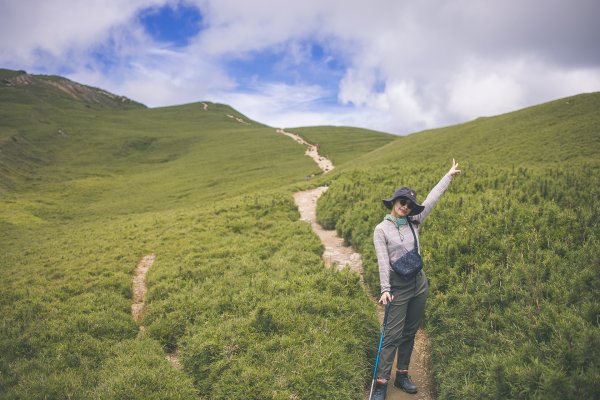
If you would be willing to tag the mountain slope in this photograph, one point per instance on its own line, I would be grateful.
(75, 146)
(63, 151)
(559, 131)
(238, 287)
(52, 87)
(511, 250)
(87, 188)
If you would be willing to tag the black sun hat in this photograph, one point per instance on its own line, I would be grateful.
(407, 193)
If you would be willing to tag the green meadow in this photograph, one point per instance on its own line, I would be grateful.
(238, 287)
(90, 183)
(512, 250)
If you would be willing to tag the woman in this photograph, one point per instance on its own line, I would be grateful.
(393, 238)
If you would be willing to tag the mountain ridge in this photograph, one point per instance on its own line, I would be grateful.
(89, 94)
(561, 130)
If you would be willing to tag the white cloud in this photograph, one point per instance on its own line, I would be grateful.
(268, 103)
(475, 92)
(406, 108)
(357, 87)
(550, 83)
(58, 27)
(160, 78)
(484, 88)
(408, 65)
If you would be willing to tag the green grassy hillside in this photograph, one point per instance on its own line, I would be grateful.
(87, 187)
(90, 182)
(134, 160)
(555, 132)
(511, 250)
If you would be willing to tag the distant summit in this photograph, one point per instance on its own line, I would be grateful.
(84, 93)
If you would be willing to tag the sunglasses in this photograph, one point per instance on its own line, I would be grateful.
(405, 202)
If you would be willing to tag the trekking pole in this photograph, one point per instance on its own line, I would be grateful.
(385, 316)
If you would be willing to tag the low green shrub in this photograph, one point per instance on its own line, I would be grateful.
(136, 369)
(253, 304)
(240, 291)
(513, 261)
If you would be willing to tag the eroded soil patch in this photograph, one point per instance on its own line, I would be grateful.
(138, 307)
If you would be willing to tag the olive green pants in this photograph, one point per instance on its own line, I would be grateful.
(404, 318)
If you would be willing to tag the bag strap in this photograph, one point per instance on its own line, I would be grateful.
(414, 235)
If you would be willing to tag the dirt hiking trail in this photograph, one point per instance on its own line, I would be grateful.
(311, 150)
(340, 256)
(138, 305)
(336, 253)
(238, 119)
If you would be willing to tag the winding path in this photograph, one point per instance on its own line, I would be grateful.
(138, 305)
(311, 150)
(336, 253)
(238, 119)
(340, 256)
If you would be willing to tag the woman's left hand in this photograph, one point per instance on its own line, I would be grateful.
(454, 170)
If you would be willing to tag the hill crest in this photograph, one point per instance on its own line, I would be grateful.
(556, 131)
(75, 90)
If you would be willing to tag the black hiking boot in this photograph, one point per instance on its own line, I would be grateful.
(379, 392)
(403, 382)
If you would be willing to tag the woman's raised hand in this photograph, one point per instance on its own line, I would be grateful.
(454, 170)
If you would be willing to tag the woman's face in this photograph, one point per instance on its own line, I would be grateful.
(402, 207)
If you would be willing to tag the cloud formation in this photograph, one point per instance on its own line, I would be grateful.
(385, 64)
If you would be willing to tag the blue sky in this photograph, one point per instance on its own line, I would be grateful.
(397, 66)
(175, 25)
